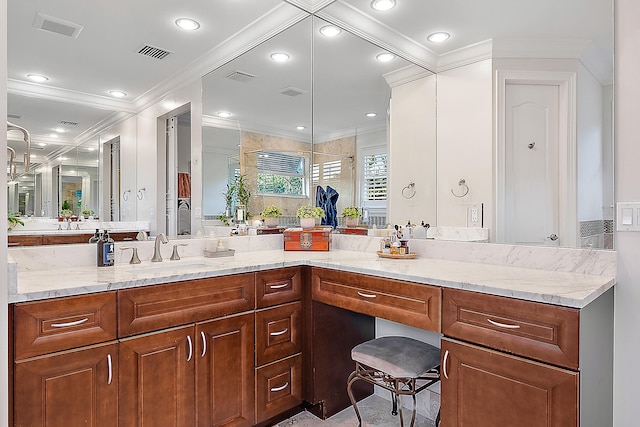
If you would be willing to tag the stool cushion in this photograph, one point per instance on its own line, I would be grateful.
(397, 356)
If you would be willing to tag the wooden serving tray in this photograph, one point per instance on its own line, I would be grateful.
(397, 256)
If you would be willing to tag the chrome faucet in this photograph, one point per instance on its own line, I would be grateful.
(27, 140)
(157, 257)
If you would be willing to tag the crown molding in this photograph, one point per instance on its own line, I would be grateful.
(465, 56)
(311, 6)
(34, 90)
(405, 75)
(366, 27)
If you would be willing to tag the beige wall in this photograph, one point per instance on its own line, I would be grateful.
(465, 142)
(412, 152)
(627, 176)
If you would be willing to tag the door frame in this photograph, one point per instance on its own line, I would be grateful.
(567, 147)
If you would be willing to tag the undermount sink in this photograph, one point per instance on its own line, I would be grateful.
(169, 266)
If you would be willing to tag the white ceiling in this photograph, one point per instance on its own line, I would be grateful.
(104, 55)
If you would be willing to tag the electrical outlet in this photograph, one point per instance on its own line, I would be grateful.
(474, 212)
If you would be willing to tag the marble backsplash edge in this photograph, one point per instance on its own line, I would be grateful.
(585, 261)
(34, 258)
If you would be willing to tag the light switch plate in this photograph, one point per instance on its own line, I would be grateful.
(628, 216)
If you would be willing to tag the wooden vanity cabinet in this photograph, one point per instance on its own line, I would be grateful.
(278, 351)
(65, 371)
(344, 306)
(194, 363)
(512, 362)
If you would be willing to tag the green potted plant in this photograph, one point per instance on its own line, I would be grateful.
(308, 215)
(271, 214)
(13, 220)
(352, 215)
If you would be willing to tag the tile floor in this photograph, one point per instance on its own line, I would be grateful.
(375, 411)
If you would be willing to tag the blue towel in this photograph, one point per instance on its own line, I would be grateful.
(330, 209)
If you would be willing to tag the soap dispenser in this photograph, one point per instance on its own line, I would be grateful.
(106, 250)
(95, 237)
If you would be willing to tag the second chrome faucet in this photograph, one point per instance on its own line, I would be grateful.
(157, 257)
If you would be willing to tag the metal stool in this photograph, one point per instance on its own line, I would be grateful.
(402, 365)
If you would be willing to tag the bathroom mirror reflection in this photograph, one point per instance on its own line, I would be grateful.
(581, 31)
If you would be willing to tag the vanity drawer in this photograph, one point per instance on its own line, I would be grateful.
(278, 387)
(43, 327)
(543, 332)
(279, 286)
(405, 302)
(157, 307)
(278, 332)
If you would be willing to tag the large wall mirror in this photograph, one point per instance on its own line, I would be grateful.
(303, 126)
(300, 125)
(63, 172)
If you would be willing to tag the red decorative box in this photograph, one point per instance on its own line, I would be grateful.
(297, 239)
(359, 231)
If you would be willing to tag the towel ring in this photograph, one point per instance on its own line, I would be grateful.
(465, 188)
(409, 191)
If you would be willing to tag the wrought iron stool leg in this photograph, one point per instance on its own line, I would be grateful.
(394, 401)
(353, 378)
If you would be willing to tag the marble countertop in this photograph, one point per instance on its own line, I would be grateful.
(554, 287)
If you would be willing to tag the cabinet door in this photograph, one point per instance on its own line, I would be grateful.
(73, 389)
(156, 379)
(487, 388)
(224, 372)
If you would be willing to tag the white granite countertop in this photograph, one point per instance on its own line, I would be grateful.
(569, 289)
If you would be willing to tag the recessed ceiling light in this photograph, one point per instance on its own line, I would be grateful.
(438, 37)
(223, 114)
(280, 57)
(37, 78)
(371, 114)
(60, 130)
(117, 93)
(53, 135)
(42, 144)
(385, 57)
(330, 30)
(300, 127)
(383, 4)
(187, 24)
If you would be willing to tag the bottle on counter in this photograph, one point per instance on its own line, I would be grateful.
(95, 237)
(106, 250)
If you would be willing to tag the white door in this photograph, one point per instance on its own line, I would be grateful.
(531, 190)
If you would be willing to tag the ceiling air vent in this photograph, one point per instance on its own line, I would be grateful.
(14, 116)
(57, 25)
(153, 52)
(66, 123)
(240, 76)
(292, 91)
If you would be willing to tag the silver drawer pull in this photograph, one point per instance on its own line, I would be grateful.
(110, 369)
(503, 325)
(275, 334)
(444, 364)
(190, 348)
(278, 286)
(204, 344)
(67, 324)
(367, 295)
(281, 388)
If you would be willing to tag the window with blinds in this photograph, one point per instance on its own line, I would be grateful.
(326, 173)
(375, 177)
(280, 173)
